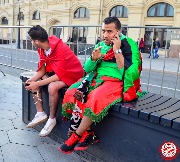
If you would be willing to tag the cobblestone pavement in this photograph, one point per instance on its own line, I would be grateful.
(17, 143)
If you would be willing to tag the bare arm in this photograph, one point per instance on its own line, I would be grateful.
(39, 74)
(35, 81)
(119, 60)
(33, 85)
(47, 80)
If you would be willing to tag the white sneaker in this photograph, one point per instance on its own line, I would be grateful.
(37, 120)
(47, 128)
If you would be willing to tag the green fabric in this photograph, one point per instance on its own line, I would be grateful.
(75, 85)
(104, 68)
(97, 118)
(128, 74)
(110, 69)
(132, 74)
(67, 106)
(88, 112)
(89, 77)
(141, 94)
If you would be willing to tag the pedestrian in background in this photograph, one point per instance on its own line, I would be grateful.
(141, 45)
(157, 48)
(154, 50)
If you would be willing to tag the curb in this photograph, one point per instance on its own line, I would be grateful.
(161, 71)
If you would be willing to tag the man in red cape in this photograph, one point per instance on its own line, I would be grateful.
(58, 67)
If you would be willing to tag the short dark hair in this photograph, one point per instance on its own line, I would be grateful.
(113, 19)
(38, 33)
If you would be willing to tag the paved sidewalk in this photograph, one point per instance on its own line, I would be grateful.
(161, 64)
(17, 143)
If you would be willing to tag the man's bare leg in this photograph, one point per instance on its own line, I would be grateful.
(85, 124)
(53, 89)
(40, 116)
(37, 96)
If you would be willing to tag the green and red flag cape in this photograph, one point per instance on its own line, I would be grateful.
(107, 84)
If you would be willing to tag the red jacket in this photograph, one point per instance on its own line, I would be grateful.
(141, 43)
(62, 61)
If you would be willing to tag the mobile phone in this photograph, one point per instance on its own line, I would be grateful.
(26, 84)
(116, 37)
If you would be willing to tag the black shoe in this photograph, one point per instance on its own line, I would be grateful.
(70, 132)
(87, 138)
(69, 145)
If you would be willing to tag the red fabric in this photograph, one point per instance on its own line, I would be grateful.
(141, 43)
(137, 84)
(130, 94)
(62, 61)
(140, 66)
(99, 98)
(109, 55)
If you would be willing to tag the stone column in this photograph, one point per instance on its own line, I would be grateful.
(135, 19)
(93, 32)
(174, 50)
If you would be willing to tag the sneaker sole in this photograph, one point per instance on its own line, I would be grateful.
(46, 134)
(31, 126)
(65, 152)
(80, 148)
(84, 148)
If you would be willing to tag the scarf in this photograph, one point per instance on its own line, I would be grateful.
(82, 91)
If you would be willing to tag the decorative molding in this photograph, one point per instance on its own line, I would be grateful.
(112, 3)
(53, 20)
(4, 14)
(33, 9)
(76, 5)
(150, 3)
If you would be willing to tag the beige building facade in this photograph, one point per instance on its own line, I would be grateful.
(92, 12)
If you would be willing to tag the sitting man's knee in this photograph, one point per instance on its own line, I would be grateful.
(52, 88)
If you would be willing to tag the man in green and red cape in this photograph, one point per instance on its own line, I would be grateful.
(112, 75)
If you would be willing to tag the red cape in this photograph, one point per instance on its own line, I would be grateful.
(62, 61)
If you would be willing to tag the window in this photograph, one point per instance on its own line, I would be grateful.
(57, 31)
(81, 13)
(79, 34)
(20, 16)
(4, 21)
(124, 30)
(36, 15)
(119, 11)
(161, 10)
(159, 33)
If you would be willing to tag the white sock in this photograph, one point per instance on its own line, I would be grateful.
(40, 113)
(52, 120)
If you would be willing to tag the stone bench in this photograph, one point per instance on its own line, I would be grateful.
(131, 132)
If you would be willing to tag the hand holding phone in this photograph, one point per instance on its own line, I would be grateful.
(116, 42)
